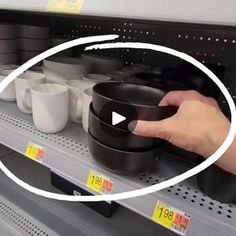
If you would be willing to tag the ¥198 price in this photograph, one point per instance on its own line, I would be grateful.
(99, 182)
(166, 213)
(171, 218)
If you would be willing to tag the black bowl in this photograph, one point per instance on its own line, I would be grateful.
(118, 138)
(135, 102)
(121, 162)
(218, 184)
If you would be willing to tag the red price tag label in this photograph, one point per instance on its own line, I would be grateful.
(171, 218)
(99, 182)
(34, 151)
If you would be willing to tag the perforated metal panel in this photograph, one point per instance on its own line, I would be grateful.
(17, 222)
(55, 139)
(192, 195)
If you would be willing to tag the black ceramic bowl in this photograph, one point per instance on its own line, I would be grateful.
(131, 101)
(118, 138)
(121, 162)
(218, 184)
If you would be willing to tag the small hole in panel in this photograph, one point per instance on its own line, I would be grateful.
(217, 40)
(234, 41)
(201, 38)
(186, 36)
(225, 40)
(228, 216)
(179, 36)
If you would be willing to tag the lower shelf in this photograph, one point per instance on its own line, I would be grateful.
(67, 155)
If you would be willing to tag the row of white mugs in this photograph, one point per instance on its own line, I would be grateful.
(52, 105)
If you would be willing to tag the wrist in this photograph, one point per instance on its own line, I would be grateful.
(214, 139)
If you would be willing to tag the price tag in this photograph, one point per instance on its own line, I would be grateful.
(65, 6)
(99, 182)
(34, 152)
(171, 218)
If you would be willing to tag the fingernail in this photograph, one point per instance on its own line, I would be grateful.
(132, 125)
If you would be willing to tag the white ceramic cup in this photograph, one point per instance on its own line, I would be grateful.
(23, 84)
(56, 77)
(8, 94)
(76, 89)
(72, 65)
(87, 99)
(49, 107)
(96, 78)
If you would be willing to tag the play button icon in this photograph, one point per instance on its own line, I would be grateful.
(117, 118)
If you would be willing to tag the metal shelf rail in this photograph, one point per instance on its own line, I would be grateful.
(67, 154)
(27, 214)
(211, 12)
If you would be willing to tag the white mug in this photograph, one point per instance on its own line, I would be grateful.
(23, 83)
(96, 78)
(76, 89)
(8, 94)
(87, 99)
(49, 107)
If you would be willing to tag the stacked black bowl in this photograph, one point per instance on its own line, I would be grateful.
(111, 144)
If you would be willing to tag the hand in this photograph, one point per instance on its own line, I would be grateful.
(199, 126)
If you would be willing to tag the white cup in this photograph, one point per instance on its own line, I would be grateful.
(23, 83)
(96, 78)
(49, 107)
(76, 89)
(55, 77)
(87, 99)
(8, 94)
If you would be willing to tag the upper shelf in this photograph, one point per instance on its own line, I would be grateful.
(201, 11)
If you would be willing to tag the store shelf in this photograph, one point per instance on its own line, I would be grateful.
(60, 218)
(67, 154)
(213, 12)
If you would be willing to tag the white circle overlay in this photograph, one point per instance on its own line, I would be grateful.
(136, 45)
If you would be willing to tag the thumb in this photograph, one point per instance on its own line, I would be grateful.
(157, 129)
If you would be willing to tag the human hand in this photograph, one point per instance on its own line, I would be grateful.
(199, 126)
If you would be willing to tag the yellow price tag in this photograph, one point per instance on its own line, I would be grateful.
(164, 215)
(34, 151)
(65, 6)
(99, 182)
(171, 218)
